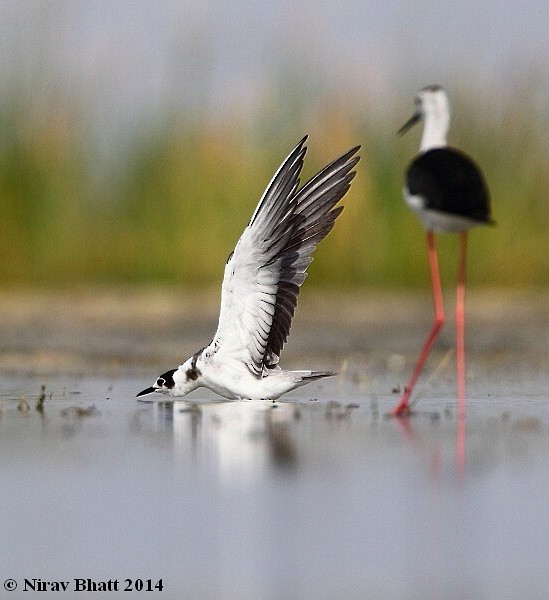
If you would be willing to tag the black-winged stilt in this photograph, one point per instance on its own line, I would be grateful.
(262, 280)
(448, 192)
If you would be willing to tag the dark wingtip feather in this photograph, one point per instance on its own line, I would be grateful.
(283, 184)
(314, 218)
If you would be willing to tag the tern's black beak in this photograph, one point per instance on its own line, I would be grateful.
(149, 390)
(409, 123)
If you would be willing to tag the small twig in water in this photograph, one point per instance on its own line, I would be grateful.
(41, 400)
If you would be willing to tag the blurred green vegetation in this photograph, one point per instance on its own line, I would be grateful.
(172, 204)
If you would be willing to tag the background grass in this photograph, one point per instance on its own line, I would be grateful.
(170, 205)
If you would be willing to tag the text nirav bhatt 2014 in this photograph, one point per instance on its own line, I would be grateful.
(91, 585)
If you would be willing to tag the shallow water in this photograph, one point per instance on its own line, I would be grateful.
(317, 496)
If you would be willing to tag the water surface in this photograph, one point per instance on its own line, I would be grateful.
(317, 496)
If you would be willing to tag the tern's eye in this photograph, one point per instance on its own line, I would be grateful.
(160, 381)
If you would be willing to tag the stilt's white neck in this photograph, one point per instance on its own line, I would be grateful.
(435, 108)
(435, 130)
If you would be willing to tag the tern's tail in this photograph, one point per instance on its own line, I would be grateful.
(308, 376)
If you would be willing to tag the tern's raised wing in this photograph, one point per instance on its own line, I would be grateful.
(268, 266)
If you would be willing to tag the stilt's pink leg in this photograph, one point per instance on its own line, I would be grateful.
(460, 337)
(403, 407)
(460, 322)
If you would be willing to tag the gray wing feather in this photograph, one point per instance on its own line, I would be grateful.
(312, 220)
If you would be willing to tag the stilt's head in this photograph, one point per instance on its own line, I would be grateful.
(433, 106)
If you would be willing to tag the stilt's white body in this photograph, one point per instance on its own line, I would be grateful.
(261, 284)
(434, 220)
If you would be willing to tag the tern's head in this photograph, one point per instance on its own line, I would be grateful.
(433, 106)
(176, 382)
(165, 384)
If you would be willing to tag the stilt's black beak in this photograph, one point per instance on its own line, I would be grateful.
(409, 123)
(149, 390)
